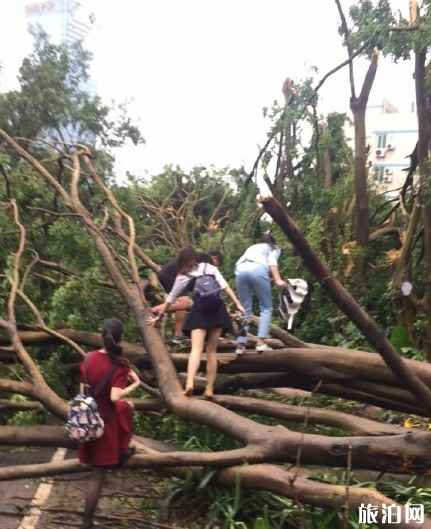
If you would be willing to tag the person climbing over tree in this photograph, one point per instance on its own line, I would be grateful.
(204, 325)
(253, 272)
(167, 276)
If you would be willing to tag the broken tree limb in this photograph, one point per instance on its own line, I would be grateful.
(347, 303)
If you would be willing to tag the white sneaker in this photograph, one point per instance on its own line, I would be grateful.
(263, 347)
(240, 350)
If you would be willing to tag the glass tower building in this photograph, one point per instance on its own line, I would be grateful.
(66, 21)
(63, 20)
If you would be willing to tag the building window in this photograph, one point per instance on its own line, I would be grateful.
(381, 141)
(378, 173)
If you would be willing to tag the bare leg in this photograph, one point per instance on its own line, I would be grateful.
(198, 339)
(94, 489)
(157, 308)
(213, 337)
(181, 303)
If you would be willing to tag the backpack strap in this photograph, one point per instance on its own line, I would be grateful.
(101, 384)
(191, 284)
(205, 273)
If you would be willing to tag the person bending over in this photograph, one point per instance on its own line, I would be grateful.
(167, 276)
(253, 272)
(204, 326)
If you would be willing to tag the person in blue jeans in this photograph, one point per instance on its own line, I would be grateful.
(253, 272)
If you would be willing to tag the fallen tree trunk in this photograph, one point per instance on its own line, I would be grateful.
(276, 479)
(400, 453)
(402, 384)
(345, 301)
(350, 374)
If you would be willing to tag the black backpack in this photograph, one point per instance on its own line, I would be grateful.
(206, 292)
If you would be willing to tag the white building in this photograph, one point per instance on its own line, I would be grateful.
(392, 137)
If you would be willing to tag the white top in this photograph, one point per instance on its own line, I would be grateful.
(261, 253)
(182, 280)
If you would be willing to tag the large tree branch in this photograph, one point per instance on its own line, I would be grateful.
(308, 415)
(272, 478)
(345, 301)
(271, 444)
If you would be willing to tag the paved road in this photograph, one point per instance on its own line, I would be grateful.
(16, 496)
(129, 500)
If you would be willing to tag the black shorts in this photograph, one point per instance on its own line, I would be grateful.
(167, 281)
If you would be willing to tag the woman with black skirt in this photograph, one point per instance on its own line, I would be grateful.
(204, 327)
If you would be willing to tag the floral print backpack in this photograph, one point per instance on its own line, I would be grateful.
(84, 422)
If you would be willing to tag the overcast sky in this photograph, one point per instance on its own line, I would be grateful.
(199, 72)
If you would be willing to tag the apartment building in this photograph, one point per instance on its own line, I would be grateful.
(391, 136)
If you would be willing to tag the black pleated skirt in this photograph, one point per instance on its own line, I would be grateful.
(198, 319)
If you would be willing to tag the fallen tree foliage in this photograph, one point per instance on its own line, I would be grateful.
(268, 456)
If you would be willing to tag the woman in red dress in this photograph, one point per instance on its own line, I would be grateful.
(114, 445)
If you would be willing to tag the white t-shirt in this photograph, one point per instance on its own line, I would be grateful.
(261, 253)
(182, 280)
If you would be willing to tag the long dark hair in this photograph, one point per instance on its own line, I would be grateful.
(112, 333)
(188, 259)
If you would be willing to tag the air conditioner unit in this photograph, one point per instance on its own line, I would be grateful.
(380, 152)
(390, 145)
(387, 179)
(388, 170)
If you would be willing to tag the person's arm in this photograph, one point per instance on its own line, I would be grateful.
(181, 281)
(152, 320)
(233, 297)
(119, 393)
(225, 287)
(274, 254)
(181, 303)
(276, 276)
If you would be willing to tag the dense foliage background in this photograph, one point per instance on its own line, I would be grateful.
(211, 208)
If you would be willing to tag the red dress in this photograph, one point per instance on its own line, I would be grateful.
(115, 441)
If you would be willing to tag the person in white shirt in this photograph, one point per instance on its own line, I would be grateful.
(167, 276)
(204, 326)
(253, 272)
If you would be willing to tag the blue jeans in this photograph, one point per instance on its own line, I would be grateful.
(255, 278)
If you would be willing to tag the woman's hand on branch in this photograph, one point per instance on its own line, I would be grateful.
(152, 320)
(240, 307)
(133, 378)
